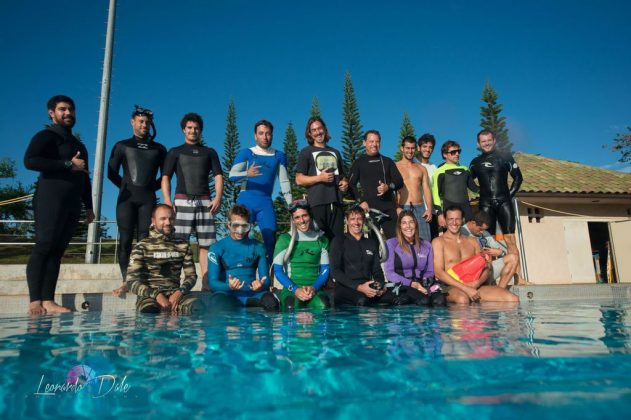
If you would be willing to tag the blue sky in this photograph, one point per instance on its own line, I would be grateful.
(561, 69)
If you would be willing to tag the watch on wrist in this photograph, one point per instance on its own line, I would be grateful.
(183, 290)
(68, 164)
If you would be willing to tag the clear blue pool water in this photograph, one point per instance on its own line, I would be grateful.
(545, 360)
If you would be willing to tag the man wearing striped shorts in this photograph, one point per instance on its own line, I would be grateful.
(194, 207)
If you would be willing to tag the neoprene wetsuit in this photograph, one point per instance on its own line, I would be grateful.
(57, 204)
(449, 187)
(256, 192)
(241, 259)
(369, 171)
(141, 160)
(354, 262)
(491, 170)
(308, 265)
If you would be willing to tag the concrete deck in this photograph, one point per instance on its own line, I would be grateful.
(88, 288)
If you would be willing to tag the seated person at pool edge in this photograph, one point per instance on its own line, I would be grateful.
(355, 266)
(155, 265)
(411, 262)
(453, 247)
(233, 263)
(307, 268)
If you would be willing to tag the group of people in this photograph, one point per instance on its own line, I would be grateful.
(317, 263)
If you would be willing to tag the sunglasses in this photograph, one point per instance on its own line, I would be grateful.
(454, 152)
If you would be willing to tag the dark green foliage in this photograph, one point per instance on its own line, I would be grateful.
(315, 108)
(231, 146)
(352, 134)
(407, 129)
(491, 119)
(290, 147)
(622, 144)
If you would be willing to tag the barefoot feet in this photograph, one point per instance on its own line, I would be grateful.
(52, 308)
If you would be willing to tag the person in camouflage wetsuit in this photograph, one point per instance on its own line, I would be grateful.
(155, 266)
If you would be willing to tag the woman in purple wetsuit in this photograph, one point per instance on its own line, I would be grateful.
(410, 263)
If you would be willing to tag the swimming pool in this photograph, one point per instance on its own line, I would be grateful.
(540, 359)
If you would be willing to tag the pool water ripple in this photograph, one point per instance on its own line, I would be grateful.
(542, 360)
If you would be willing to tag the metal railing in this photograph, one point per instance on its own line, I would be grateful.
(103, 242)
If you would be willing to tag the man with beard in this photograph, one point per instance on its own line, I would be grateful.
(141, 158)
(320, 169)
(63, 184)
(155, 267)
(256, 169)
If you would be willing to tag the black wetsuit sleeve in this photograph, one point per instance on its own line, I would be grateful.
(395, 176)
(114, 164)
(337, 263)
(86, 197)
(377, 272)
(169, 163)
(161, 159)
(353, 180)
(340, 166)
(440, 181)
(215, 165)
(517, 178)
(470, 184)
(38, 154)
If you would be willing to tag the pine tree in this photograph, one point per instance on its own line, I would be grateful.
(491, 119)
(290, 147)
(407, 129)
(231, 146)
(315, 108)
(352, 134)
(20, 210)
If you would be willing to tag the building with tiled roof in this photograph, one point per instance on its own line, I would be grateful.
(574, 222)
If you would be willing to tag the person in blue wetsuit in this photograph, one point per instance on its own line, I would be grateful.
(256, 170)
(233, 263)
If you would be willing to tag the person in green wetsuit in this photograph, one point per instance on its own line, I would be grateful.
(306, 269)
(450, 182)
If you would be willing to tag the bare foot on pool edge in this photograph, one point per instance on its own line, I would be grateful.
(120, 292)
(52, 308)
(36, 308)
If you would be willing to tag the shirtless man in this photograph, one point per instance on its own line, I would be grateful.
(451, 248)
(415, 179)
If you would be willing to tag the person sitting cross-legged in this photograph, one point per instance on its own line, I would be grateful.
(306, 269)
(233, 263)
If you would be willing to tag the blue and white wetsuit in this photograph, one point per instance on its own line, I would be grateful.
(256, 192)
(240, 259)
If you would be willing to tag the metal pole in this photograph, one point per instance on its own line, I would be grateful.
(97, 180)
(520, 235)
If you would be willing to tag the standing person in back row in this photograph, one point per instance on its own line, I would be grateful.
(426, 144)
(379, 179)
(141, 158)
(450, 183)
(491, 169)
(415, 195)
(256, 169)
(194, 165)
(63, 184)
(321, 170)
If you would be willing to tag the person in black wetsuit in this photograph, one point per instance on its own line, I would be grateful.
(355, 266)
(194, 164)
(141, 159)
(379, 179)
(63, 184)
(491, 169)
(450, 182)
